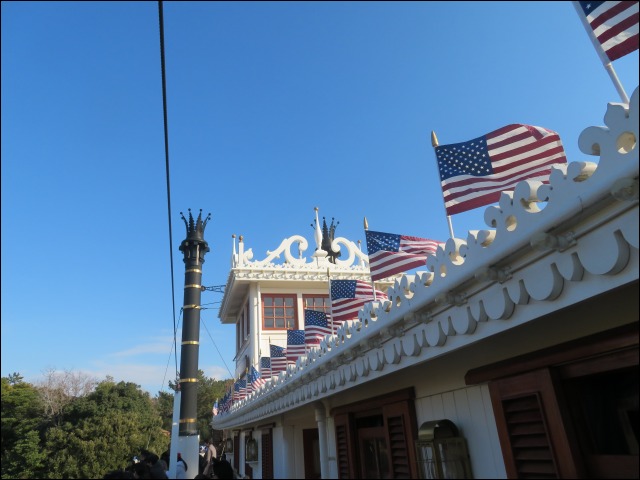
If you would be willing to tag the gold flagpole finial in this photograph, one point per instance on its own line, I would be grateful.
(366, 224)
(434, 139)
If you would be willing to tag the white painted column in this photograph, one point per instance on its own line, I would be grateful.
(189, 448)
(322, 439)
(288, 452)
(255, 327)
(175, 432)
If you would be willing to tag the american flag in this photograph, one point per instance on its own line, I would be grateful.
(265, 368)
(227, 401)
(316, 326)
(348, 297)
(278, 359)
(255, 379)
(614, 25)
(474, 173)
(240, 390)
(249, 387)
(214, 410)
(295, 345)
(390, 253)
(223, 403)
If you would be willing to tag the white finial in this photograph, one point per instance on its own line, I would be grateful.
(234, 255)
(318, 234)
(241, 250)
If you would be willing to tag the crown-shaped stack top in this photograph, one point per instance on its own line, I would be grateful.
(195, 229)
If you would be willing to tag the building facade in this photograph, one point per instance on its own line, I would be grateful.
(513, 355)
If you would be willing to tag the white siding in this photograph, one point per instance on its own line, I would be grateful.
(470, 409)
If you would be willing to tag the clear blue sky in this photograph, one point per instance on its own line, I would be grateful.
(273, 109)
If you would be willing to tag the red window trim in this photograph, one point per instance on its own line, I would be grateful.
(322, 295)
(295, 310)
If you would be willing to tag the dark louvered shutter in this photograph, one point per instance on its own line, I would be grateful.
(236, 453)
(343, 446)
(398, 448)
(401, 436)
(267, 454)
(528, 437)
(531, 428)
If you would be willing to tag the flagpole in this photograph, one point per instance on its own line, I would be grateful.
(373, 286)
(434, 144)
(270, 362)
(330, 301)
(601, 53)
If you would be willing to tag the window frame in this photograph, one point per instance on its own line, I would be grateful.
(284, 296)
(326, 308)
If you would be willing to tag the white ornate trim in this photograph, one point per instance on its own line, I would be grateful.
(298, 261)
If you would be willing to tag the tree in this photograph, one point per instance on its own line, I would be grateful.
(164, 405)
(103, 431)
(22, 429)
(14, 378)
(58, 389)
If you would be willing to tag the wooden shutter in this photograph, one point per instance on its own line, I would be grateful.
(527, 432)
(267, 454)
(530, 426)
(344, 446)
(236, 453)
(400, 424)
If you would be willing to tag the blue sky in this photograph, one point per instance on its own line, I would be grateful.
(273, 109)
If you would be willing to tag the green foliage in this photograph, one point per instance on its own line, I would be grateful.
(93, 433)
(22, 424)
(14, 378)
(164, 406)
(102, 432)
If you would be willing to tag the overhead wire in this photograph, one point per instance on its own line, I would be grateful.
(215, 288)
(166, 155)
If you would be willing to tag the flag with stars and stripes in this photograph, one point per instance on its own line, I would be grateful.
(348, 297)
(614, 25)
(249, 387)
(265, 368)
(295, 345)
(225, 403)
(278, 359)
(240, 390)
(474, 173)
(317, 325)
(390, 253)
(255, 379)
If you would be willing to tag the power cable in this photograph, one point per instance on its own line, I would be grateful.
(171, 352)
(166, 155)
(214, 344)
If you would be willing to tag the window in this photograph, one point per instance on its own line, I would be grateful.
(573, 411)
(243, 326)
(279, 311)
(375, 437)
(320, 303)
(247, 320)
